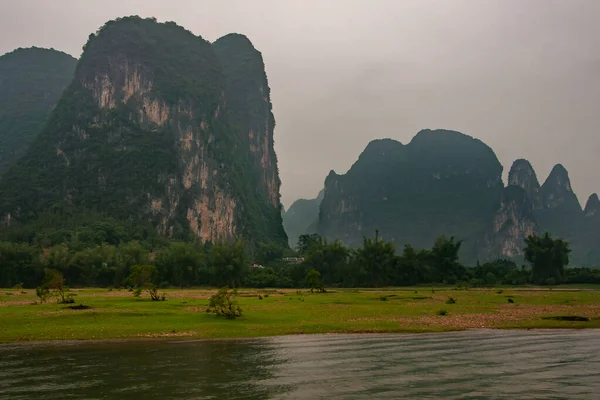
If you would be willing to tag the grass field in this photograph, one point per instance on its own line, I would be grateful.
(118, 315)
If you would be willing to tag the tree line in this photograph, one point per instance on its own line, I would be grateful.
(375, 264)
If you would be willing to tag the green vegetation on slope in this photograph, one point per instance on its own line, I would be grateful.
(31, 82)
(441, 183)
(144, 135)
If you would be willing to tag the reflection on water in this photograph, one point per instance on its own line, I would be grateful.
(464, 365)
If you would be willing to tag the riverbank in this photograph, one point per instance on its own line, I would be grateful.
(117, 314)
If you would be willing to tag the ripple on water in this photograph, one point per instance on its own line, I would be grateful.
(460, 365)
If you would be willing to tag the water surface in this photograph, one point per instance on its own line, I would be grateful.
(461, 365)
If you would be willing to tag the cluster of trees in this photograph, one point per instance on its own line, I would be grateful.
(325, 263)
(177, 264)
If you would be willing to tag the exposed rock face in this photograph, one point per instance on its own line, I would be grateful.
(248, 98)
(512, 223)
(150, 135)
(556, 192)
(442, 182)
(447, 183)
(31, 82)
(301, 218)
(522, 174)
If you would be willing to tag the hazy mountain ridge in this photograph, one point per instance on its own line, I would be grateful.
(31, 82)
(445, 182)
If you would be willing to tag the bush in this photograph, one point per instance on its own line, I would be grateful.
(442, 312)
(451, 300)
(43, 293)
(221, 304)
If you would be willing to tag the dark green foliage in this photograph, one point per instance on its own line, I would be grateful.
(441, 183)
(222, 304)
(548, 258)
(228, 262)
(54, 285)
(329, 259)
(107, 153)
(31, 82)
(142, 277)
(313, 281)
(182, 264)
(451, 300)
(268, 277)
(378, 258)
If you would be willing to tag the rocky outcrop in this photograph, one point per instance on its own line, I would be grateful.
(557, 193)
(249, 100)
(511, 224)
(521, 174)
(152, 136)
(447, 183)
(442, 182)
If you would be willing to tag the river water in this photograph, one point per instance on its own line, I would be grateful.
(460, 365)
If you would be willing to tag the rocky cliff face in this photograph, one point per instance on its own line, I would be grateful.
(31, 82)
(522, 174)
(249, 100)
(447, 183)
(442, 182)
(557, 193)
(146, 132)
(511, 224)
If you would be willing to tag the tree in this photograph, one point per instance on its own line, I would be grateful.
(329, 259)
(182, 264)
(142, 277)
(54, 286)
(221, 304)
(228, 263)
(306, 242)
(377, 257)
(444, 257)
(548, 258)
(313, 281)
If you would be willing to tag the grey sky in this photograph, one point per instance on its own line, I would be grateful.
(521, 75)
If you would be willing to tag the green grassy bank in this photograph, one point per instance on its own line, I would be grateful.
(118, 315)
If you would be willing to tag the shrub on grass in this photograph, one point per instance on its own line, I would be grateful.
(222, 304)
(451, 300)
(442, 312)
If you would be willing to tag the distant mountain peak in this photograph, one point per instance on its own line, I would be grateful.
(592, 207)
(522, 174)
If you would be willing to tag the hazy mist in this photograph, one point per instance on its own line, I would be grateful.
(521, 75)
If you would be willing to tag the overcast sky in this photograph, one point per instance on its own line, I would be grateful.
(521, 75)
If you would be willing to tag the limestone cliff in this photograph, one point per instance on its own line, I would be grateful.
(146, 133)
(442, 182)
(522, 174)
(511, 224)
(249, 100)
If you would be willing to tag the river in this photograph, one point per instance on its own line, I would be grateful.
(461, 365)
